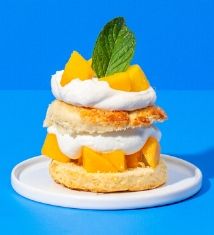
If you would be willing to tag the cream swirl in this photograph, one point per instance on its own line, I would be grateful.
(129, 141)
(98, 94)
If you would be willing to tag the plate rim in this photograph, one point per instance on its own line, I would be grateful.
(103, 201)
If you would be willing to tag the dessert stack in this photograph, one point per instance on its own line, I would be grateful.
(100, 132)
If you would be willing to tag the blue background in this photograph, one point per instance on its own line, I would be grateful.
(175, 39)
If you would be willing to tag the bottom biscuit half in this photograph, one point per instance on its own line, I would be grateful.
(76, 177)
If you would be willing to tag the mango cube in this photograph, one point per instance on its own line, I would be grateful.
(118, 81)
(103, 162)
(51, 149)
(76, 67)
(116, 158)
(151, 152)
(94, 162)
(138, 79)
(133, 160)
(90, 61)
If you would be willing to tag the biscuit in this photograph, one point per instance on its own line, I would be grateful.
(77, 120)
(74, 176)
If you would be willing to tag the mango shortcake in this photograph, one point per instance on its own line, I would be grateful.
(101, 136)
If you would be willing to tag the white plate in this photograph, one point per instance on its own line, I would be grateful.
(31, 179)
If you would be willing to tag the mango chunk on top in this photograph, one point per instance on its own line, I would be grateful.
(118, 81)
(90, 61)
(133, 79)
(137, 78)
(76, 67)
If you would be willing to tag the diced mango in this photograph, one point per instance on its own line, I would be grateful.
(94, 162)
(133, 160)
(151, 152)
(103, 162)
(116, 158)
(118, 81)
(90, 62)
(51, 149)
(76, 67)
(138, 79)
(79, 161)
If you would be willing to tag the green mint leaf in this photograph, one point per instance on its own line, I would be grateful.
(114, 48)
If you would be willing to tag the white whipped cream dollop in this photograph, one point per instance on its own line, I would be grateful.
(130, 141)
(98, 94)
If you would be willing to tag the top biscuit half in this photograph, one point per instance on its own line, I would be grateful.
(73, 119)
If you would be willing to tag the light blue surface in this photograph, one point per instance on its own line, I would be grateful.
(188, 133)
(174, 39)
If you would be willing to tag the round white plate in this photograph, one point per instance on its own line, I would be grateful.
(31, 179)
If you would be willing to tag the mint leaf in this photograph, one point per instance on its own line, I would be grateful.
(114, 48)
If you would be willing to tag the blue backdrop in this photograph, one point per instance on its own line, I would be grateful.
(174, 39)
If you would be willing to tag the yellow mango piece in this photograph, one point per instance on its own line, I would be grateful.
(79, 161)
(151, 152)
(118, 81)
(76, 67)
(94, 162)
(103, 162)
(116, 158)
(90, 62)
(138, 79)
(51, 149)
(133, 160)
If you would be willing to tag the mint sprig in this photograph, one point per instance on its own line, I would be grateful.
(114, 48)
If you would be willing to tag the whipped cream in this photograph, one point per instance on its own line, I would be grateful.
(98, 94)
(130, 141)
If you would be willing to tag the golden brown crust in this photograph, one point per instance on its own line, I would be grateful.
(136, 179)
(76, 119)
